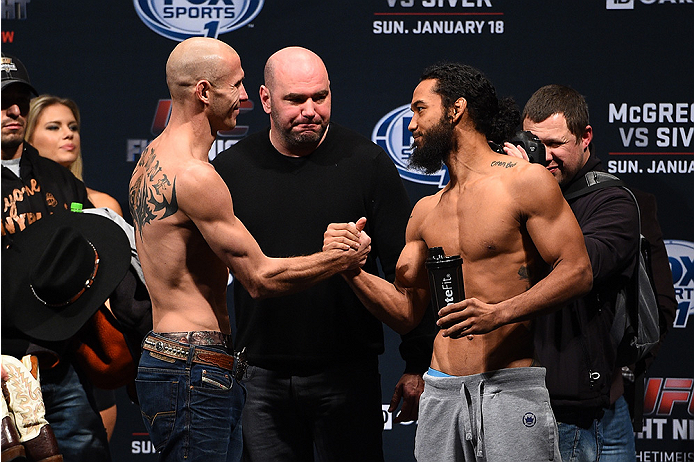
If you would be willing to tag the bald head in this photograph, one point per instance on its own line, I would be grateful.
(296, 94)
(296, 62)
(198, 58)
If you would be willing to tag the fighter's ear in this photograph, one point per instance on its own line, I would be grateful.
(202, 91)
(458, 109)
(265, 98)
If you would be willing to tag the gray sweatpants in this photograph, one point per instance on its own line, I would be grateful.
(496, 416)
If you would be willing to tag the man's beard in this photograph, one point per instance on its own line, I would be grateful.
(11, 142)
(435, 145)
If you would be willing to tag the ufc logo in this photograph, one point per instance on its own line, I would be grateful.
(662, 394)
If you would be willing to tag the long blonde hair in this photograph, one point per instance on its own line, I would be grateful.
(37, 106)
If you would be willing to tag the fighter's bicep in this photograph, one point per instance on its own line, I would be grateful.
(205, 199)
(410, 267)
(558, 236)
(550, 221)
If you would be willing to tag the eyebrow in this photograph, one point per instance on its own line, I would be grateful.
(239, 81)
(73, 121)
(555, 141)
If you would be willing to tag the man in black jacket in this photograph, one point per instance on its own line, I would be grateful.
(574, 343)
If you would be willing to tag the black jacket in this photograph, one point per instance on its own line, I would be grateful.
(574, 342)
(42, 188)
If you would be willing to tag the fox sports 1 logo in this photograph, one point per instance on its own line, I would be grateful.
(392, 135)
(182, 19)
(681, 257)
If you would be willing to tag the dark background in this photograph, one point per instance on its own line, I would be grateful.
(102, 55)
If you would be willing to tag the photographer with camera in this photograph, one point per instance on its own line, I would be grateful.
(532, 146)
(574, 343)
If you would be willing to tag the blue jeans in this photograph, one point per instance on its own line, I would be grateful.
(578, 444)
(191, 411)
(73, 416)
(609, 439)
(333, 412)
(618, 434)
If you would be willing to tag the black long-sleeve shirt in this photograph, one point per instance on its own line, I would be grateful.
(287, 203)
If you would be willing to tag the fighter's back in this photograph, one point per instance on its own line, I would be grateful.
(184, 277)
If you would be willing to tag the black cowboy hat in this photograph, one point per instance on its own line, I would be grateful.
(59, 271)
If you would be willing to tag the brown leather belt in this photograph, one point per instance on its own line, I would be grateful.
(175, 350)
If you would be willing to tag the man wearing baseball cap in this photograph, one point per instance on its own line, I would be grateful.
(16, 93)
(34, 187)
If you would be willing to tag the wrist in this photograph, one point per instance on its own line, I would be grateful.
(504, 312)
(351, 273)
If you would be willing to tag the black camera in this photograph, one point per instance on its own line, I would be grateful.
(532, 145)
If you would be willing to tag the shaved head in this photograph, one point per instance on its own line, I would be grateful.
(295, 61)
(195, 59)
(296, 94)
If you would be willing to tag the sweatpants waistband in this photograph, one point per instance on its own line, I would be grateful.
(515, 378)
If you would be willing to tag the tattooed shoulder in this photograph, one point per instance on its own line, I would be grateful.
(152, 194)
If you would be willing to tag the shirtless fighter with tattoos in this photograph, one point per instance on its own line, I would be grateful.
(523, 254)
(188, 239)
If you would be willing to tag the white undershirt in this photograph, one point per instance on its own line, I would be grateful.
(12, 164)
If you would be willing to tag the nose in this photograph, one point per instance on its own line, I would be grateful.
(412, 126)
(548, 155)
(243, 96)
(14, 111)
(308, 109)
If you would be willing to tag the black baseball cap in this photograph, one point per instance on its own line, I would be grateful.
(13, 71)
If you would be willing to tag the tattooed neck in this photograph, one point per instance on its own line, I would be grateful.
(499, 163)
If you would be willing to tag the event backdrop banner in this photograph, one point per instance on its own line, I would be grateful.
(632, 59)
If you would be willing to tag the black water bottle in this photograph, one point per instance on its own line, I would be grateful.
(445, 278)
